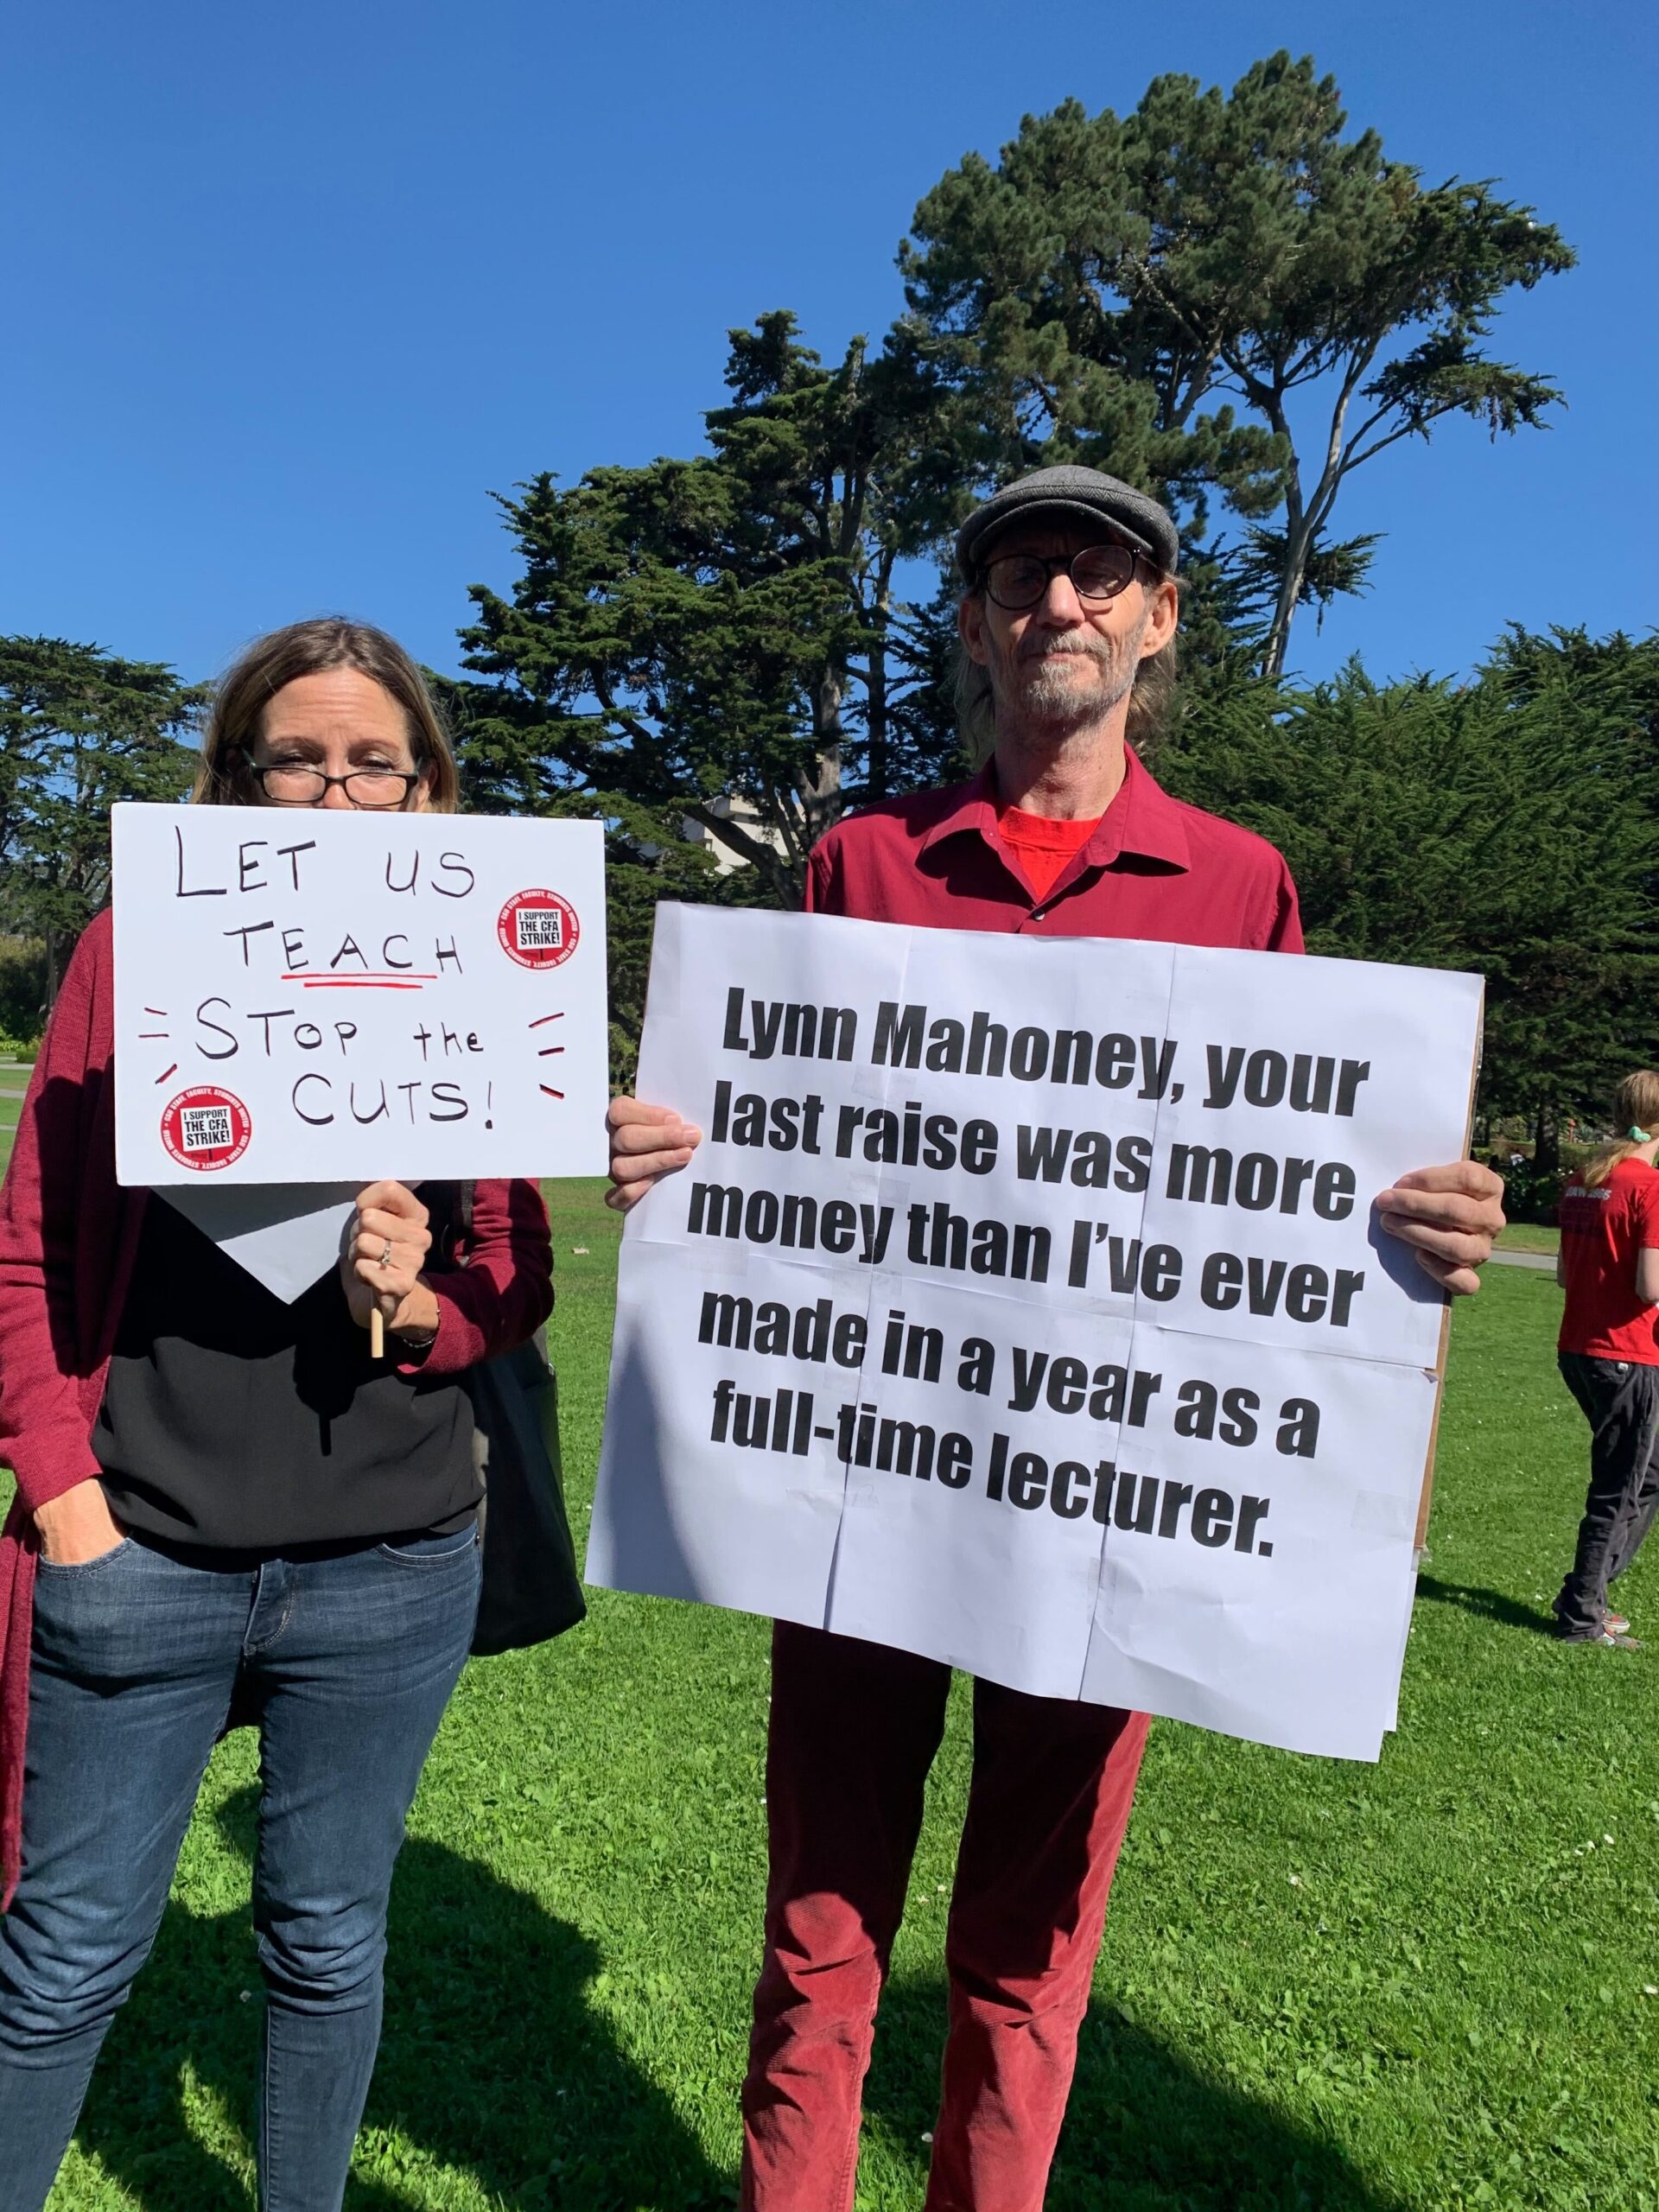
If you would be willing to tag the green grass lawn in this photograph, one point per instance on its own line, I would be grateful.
(1422, 1984)
(1530, 1237)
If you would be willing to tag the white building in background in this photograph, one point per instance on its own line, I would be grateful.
(745, 816)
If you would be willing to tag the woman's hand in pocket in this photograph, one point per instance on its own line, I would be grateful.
(77, 1526)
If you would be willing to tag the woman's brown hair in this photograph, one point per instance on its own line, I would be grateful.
(225, 776)
(1636, 1106)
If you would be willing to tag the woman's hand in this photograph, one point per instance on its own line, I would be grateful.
(1449, 1216)
(646, 1142)
(386, 1245)
(77, 1525)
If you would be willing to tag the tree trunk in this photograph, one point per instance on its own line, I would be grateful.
(820, 790)
(1298, 537)
(1305, 517)
(821, 795)
(52, 976)
(878, 722)
(1546, 1140)
(876, 769)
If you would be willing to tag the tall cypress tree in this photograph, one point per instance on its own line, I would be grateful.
(720, 641)
(1159, 292)
(79, 730)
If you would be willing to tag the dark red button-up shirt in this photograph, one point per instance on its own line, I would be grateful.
(1154, 868)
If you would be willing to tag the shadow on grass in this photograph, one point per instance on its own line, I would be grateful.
(1490, 1605)
(492, 2060)
(1144, 2133)
(494, 2063)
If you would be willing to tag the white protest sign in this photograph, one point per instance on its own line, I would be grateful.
(313, 996)
(1024, 1307)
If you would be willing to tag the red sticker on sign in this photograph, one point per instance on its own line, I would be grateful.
(537, 929)
(205, 1128)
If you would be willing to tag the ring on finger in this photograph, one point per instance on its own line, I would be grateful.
(385, 1257)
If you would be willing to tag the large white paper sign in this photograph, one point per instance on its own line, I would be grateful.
(1025, 1306)
(314, 996)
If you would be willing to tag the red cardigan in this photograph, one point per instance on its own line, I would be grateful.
(68, 1238)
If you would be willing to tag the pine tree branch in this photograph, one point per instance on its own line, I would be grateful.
(625, 718)
(1408, 429)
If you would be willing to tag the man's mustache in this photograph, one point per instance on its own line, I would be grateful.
(1096, 649)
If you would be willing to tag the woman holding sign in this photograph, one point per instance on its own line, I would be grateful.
(230, 1511)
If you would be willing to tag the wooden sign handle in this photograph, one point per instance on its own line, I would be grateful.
(376, 1332)
(1426, 1498)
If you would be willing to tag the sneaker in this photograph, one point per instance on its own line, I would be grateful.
(1614, 1639)
(1615, 1623)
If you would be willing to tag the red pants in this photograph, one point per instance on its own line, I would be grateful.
(854, 1727)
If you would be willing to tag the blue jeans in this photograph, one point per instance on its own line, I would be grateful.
(347, 1664)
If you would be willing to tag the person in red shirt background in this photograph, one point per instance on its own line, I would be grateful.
(1609, 1354)
(1067, 619)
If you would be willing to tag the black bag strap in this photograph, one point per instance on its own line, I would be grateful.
(450, 1216)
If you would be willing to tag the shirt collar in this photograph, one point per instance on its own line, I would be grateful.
(1142, 819)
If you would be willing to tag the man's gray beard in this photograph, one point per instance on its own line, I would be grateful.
(1035, 696)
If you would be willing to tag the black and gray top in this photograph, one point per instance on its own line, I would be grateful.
(235, 1423)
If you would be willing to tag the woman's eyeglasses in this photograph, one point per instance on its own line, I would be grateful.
(1018, 580)
(290, 783)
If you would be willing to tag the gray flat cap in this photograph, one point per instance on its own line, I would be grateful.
(1075, 492)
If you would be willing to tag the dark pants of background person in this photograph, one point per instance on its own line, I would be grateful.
(854, 1730)
(1619, 1398)
(347, 1664)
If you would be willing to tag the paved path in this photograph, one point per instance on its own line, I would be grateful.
(1545, 1260)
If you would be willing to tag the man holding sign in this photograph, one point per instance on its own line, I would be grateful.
(1067, 622)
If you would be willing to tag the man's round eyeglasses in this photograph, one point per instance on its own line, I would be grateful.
(1018, 580)
(286, 784)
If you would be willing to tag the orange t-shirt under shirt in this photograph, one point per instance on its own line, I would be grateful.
(1043, 849)
(1602, 1231)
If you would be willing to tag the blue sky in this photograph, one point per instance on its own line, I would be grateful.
(292, 289)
